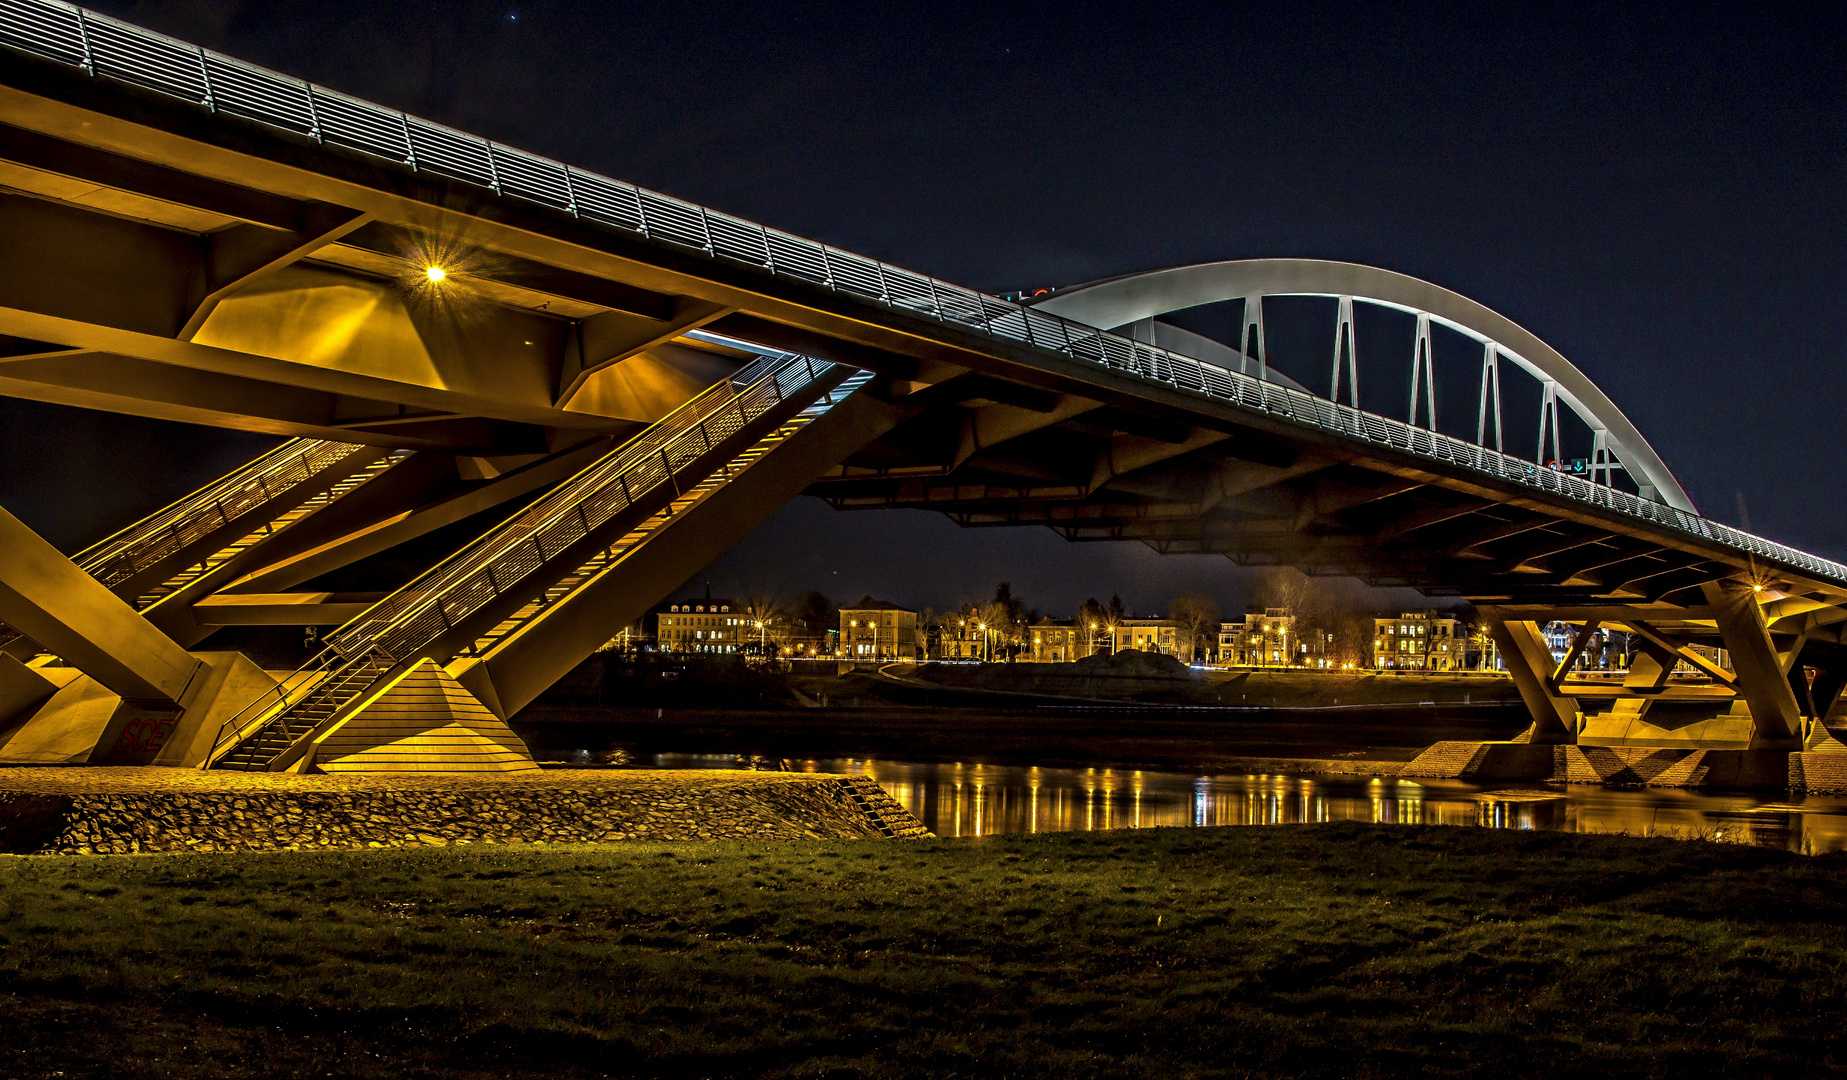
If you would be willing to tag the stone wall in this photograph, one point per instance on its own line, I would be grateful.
(124, 811)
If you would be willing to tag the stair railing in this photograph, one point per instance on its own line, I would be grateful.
(320, 676)
(126, 553)
(408, 620)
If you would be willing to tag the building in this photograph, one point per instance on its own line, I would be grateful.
(957, 637)
(1148, 635)
(878, 630)
(1427, 640)
(1265, 638)
(702, 626)
(1055, 641)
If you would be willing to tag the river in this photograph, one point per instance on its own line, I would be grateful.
(969, 799)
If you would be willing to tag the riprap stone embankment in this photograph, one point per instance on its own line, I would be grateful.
(132, 810)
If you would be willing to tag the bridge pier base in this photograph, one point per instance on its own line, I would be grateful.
(78, 720)
(1529, 660)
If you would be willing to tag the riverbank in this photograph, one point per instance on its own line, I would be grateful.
(1304, 951)
(1150, 678)
(1199, 740)
(83, 811)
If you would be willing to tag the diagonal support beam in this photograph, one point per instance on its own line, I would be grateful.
(1776, 716)
(1578, 645)
(54, 602)
(239, 255)
(605, 340)
(1127, 453)
(988, 426)
(1529, 660)
(1681, 651)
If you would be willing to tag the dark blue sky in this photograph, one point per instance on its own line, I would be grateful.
(1657, 192)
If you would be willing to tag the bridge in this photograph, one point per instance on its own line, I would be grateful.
(554, 396)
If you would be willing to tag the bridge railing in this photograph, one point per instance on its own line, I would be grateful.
(105, 46)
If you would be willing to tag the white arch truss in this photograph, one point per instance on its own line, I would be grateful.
(1125, 301)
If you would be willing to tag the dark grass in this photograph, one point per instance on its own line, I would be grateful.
(1294, 951)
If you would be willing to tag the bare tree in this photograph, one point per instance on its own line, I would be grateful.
(1287, 587)
(1195, 616)
(1092, 618)
(768, 616)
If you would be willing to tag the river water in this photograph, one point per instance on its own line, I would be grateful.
(964, 799)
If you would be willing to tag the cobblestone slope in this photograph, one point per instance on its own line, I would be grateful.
(123, 811)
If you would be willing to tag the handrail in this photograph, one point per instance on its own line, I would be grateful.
(407, 620)
(400, 624)
(324, 664)
(100, 45)
(122, 555)
(127, 552)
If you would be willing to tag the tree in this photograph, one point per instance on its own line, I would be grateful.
(1092, 617)
(1289, 588)
(1196, 620)
(817, 614)
(998, 629)
(1113, 617)
(1014, 607)
(1351, 632)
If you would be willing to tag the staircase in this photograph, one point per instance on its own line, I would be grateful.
(342, 684)
(540, 552)
(885, 813)
(160, 536)
(640, 534)
(267, 529)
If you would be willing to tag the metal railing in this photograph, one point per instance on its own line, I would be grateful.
(402, 624)
(105, 46)
(405, 622)
(328, 676)
(177, 526)
(160, 534)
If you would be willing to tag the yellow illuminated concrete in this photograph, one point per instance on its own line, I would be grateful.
(69, 613)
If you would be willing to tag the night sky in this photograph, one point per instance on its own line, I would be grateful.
(1658, 194)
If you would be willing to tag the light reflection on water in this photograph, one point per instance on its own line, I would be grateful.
(974, 800)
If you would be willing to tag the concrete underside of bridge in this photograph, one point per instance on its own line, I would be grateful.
(163, 261)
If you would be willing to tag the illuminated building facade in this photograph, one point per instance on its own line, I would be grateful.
(703, 626)
(878, 630)
(1426, 640)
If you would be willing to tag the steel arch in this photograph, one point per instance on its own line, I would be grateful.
(1123, 301)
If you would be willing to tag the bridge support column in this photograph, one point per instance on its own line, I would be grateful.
(1776, 715)
(49, 599)
(1529, 661)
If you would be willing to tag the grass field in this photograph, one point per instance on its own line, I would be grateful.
(1298, 951)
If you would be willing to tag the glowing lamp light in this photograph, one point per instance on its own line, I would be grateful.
(435, 273)
(1757, 588)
